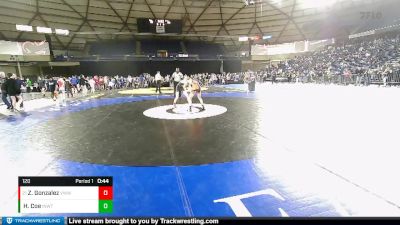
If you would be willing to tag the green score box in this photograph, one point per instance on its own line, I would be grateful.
(105, 206)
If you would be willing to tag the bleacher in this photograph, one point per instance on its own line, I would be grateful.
(204, 49)
(151, 47)
(113, 48)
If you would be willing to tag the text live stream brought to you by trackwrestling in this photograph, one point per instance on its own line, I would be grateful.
(103, 221)
(189, 221)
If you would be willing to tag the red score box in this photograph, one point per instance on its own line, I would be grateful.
(105, 193)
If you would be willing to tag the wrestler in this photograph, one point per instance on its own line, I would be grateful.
(189, 88)
(193, 88)
(179, 89)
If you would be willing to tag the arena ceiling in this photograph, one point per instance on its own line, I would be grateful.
(214, 20)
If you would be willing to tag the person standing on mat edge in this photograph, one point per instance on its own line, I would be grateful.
(14, 90)
(158, 78)
(176, 77)
(20, 100)
(61, 91)
(3, 83)
(52, 88)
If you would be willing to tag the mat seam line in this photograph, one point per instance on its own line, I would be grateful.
(181, 185)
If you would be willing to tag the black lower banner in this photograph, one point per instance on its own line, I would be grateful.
(222, 221)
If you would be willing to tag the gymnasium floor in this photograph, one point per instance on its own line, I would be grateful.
(285, 150)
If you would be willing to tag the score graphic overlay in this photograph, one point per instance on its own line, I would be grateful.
(65, 194)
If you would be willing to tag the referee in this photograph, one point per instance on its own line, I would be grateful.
(158, 78)
(177, 76)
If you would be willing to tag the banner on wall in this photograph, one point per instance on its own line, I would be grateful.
(24, 48)
(289, 48)
(10, 48)
(285, 48)
(35, 48)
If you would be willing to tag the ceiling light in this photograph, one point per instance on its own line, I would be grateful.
(249, 2)
(62, 32)
(24, 27)
(45, 30)
(243, 38)
(316, 3)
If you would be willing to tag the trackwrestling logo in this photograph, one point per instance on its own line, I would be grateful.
(33, 220)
